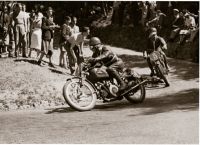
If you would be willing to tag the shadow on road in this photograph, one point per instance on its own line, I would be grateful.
(180, 69)
(57, 71)
(132, 61)
(184, 70)
(60, 110)
(185, 100)
(26, 60)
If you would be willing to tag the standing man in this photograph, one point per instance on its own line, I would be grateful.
(27, 25)
(4, 26)
(48, 27)
(66, 32)
(75, 50)
(19, 30)
(75, 28)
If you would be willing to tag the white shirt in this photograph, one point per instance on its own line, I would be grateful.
(190, 22)
(75, 29)
(76, 39)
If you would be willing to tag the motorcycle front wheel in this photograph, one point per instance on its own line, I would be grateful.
(138, 94)
(160, 71)
(79, 94)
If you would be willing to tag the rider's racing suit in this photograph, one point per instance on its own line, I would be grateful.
(113, 63)
(157, 45)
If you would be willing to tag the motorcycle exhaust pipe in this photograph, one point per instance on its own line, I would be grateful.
(120, 97)
(133, 88)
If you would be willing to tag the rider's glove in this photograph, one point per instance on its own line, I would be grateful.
(81, 58)
(92, 60)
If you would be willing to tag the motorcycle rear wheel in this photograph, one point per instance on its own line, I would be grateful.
(138, 94)
(79, 96)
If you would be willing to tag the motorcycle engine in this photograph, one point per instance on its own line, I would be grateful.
(113, 89)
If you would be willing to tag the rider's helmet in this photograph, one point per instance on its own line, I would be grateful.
(94, 41)
(153, 31)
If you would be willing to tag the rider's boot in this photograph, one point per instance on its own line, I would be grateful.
(151, 67)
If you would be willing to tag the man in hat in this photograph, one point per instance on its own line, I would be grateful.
(155, 43)
(48, 27)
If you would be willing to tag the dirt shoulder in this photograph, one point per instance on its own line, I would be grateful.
(25, 85)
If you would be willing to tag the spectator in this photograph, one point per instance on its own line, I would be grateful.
(151, 9)
(195, 31)
(27, 25)
(48, 27)
(115, 15)
(66, 32)
(158, 21)
(4, 26)
(19, 19)
(75, 51)
(36, 31)
(75, 28)
(11, 47)
(189, 25)
(144, 9)
(177, 24)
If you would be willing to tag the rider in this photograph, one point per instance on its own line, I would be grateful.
(155, 43)
(104, 55)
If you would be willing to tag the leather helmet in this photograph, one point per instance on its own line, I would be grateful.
(94, 41)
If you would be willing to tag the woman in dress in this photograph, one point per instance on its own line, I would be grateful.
(36, 31)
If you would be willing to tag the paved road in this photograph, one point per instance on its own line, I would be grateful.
(167, 116)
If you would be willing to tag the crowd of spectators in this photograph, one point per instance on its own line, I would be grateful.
(182, 23)
(22, 32)
(34, 31)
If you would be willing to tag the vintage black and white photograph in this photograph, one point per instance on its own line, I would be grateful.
(99, 72)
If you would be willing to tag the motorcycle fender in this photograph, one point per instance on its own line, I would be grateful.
(76, 77)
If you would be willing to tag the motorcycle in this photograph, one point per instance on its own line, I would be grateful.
(159, 67)
(93, 83)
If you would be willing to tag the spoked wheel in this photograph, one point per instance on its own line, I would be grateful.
(137, 95)
(79, 95)
(160, 71)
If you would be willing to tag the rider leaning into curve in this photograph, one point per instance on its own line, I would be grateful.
(104, 55)
(155, 43)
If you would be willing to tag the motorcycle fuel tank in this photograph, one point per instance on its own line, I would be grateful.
(98, 74)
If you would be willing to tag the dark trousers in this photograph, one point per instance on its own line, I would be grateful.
(113, 71)
(72, 60)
